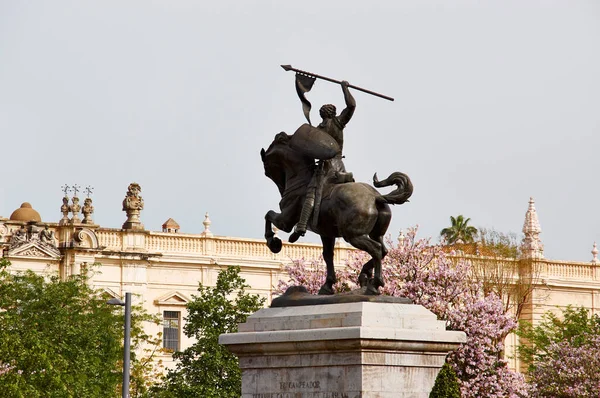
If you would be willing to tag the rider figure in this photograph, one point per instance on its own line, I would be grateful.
(334, 168)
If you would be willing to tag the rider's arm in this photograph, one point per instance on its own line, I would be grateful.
(347, 113)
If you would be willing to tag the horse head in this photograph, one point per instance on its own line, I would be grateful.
(273, 160)
(283, 163)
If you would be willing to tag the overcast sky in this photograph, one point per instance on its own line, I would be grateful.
(496, 101)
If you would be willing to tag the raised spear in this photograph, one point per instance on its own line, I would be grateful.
(364, 90)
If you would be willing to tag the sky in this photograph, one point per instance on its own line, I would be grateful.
(495, 101)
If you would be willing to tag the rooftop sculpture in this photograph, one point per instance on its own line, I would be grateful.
(132, 205)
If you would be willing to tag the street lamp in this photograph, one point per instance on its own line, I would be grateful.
(126, 342)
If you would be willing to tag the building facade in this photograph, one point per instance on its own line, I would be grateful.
(163, 269)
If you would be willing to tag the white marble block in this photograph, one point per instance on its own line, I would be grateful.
(349, 350)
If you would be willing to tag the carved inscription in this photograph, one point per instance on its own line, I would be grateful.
(304, 395)
(303, 389)
(299, 385)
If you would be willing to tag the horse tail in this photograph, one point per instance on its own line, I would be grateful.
(399, 195)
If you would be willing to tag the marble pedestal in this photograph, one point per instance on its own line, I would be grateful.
(351, 350)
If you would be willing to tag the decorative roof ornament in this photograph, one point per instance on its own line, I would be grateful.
(75, 207)
(532, 245)
(64, 208)
(207, 223)
(595, 254)
(88, 209)
(401, 238)
(33, 240)
(132, 205)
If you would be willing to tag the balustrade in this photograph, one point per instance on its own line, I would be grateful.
(112, 240)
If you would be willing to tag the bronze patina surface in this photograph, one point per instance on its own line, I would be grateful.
(298, 296)
(318, 194)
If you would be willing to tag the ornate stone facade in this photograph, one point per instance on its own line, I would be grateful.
(32, 240)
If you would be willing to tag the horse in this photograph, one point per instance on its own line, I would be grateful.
(354, 211)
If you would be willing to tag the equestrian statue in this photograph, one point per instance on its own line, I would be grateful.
(318, 194)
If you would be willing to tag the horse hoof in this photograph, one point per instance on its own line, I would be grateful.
(275, 244)
(294, 237)
(378, 282)
(326, 290)
(372, 290)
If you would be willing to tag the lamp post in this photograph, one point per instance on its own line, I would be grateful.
(126, 340)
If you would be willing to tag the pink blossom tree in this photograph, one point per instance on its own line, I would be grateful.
(416, 269)
(563, 353)
(568, 370)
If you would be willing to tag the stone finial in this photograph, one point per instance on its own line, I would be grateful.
(87, 211)
(532, 245)
(64, 209)
(132, 205)
(74, 208)
(207, 223)
(401, 238)
(595, 254)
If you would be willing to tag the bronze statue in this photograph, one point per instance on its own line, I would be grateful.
(339, 207)
(331, 169)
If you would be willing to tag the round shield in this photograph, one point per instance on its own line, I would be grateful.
(314, 143)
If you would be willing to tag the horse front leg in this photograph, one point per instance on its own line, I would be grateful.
(273, 242)
(284, 221)
(328, 245)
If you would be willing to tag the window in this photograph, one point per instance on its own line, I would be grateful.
(171, 330)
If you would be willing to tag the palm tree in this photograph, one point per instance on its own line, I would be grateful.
(459, 232)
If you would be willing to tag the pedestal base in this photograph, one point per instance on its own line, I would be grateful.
(137, 226)
(350, 350)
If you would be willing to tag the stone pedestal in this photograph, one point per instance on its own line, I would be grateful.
(133, 221)
(350, 350)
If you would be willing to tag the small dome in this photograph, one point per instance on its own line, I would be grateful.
(25, 213)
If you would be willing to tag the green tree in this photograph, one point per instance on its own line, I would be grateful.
(59, 338)
(446, 384)
(459, 231)
(207, 369)
(494, 243)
